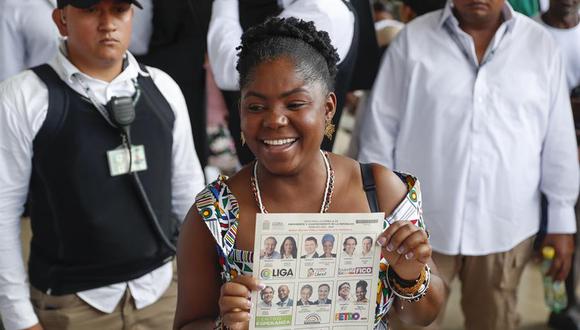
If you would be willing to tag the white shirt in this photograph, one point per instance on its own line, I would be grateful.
(569, 42)
(28, 36)
(225, 32)
(484, 140)
(23, 108)
(142, 28)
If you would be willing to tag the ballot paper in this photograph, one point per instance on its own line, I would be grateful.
(320, 271)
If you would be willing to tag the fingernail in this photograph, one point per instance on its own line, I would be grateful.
(249, 316)
(381, 241)
(249, 304)
(409, 255)
(261, 286)
(390, 247)
(401, 250)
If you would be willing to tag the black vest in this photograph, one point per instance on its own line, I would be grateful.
(89, 228)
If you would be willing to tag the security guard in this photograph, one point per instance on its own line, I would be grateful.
(103, 149)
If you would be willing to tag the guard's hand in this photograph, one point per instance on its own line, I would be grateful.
(564, 246)
(406, 248)
(234, 301)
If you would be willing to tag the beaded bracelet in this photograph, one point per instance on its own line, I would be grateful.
(413, 293)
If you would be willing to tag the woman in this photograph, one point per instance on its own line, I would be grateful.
(287, 71)
(361, 292)
(327, 246)
(348, 246)
(288, 249)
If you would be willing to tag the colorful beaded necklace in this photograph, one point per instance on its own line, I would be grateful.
(328, 189)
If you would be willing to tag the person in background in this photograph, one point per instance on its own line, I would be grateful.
(171, 35)
(562, 20)
(386, 26)
(101, 254)
(28, 37)
(529, 8)
(459, 117)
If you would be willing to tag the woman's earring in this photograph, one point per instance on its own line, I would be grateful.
(329, 129)
(243, 138)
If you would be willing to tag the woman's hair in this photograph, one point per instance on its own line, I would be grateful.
(362, 284)
(346, 239)
(312, 52)
(294, 251)
(264, 289)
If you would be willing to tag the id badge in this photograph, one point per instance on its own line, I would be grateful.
(119, 160)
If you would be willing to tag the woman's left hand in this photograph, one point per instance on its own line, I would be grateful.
(406, 248)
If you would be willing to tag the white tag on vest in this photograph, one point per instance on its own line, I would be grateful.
(119, 160)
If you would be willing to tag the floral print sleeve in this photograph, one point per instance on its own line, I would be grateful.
(409, 209)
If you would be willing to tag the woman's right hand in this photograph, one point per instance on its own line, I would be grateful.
(235, 301)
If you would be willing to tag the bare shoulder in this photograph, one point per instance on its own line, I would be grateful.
(390, 188)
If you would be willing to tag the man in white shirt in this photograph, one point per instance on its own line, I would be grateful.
(101, 251)
(28, 36)
(231, 17)
(460, 103)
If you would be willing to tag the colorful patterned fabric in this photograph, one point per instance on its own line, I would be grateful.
(219, 210)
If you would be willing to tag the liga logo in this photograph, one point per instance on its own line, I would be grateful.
(268, 273)
(312, 318)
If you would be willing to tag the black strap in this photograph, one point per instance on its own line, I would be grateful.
(155, 98)
(58, 104)
(369, 186)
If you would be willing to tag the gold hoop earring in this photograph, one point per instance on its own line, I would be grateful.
(329, 130)
(243, 139)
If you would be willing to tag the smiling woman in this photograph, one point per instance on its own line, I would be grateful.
(287, 71)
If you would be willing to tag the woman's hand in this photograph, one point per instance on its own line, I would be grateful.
(234, 301)
(406, 248)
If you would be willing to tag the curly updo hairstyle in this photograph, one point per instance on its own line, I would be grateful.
(311, 51)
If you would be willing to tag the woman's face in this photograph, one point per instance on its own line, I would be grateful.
(349, 246)
(360, 293)
(288, 247)
(283, 116)
(327, 247)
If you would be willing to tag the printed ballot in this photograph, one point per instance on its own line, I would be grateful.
(320, 270)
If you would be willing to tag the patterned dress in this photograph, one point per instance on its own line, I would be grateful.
(220, 211)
